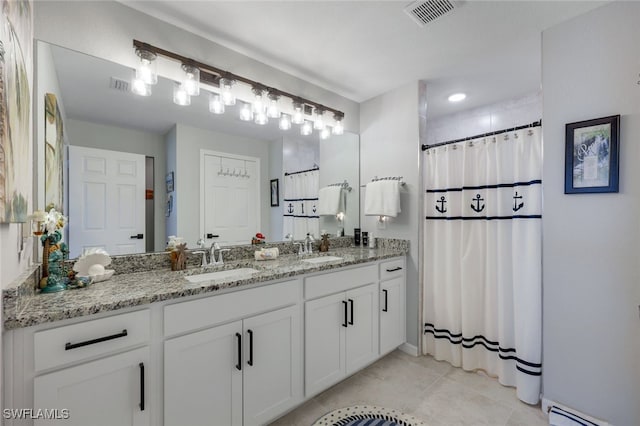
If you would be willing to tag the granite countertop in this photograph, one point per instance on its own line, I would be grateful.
(140, 288)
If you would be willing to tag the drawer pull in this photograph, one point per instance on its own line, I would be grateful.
(344, 306)
(394, 269)
(250, 362)
(69, 345)
(386, 300)
(239, 340)
(351, 306)
(141, 365)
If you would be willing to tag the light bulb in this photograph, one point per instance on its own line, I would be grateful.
(285, 121)
(338, 129)
(180, 95)
(325, 133)
(245, 112)
(226, 91)
(307, 128)
(261, 118)
(215, 104)
(258, 102)
(298, 115)
(191, 81)
(147, 69)
(272, 110)
(139, 87)
(318, 124)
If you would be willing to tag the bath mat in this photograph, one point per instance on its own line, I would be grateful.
(360, 415)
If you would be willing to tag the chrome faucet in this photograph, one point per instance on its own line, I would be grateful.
(301, 250)
(212, 253)
(308, 243)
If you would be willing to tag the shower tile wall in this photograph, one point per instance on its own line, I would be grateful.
(497, 116)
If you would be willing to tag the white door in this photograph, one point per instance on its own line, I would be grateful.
(272, 365)
(392, 316)
(325, 326)
(106, 392)
(203, 378)
(106, 201)
(230, 192)
(362, 332)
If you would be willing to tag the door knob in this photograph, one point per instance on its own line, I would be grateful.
(137, 237)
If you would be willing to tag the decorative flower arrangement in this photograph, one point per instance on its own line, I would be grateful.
(48, 227)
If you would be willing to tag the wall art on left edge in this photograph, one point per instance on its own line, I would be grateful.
(16, 65)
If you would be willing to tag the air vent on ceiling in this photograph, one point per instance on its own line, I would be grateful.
(423, 12)
(120, 85)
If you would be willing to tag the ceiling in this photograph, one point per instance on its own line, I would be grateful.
(491, 50)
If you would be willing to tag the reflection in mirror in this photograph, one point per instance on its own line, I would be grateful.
(141, 169)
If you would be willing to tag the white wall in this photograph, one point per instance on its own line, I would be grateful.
(276, 232)
(170, 141)
(591, 242)
(101, 136)
(106, 29)
(390, 146)
(339, 158)
(497, 116)
(300, 153)
(189, 142)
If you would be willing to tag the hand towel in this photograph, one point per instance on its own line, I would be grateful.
(382, 198)
(330, 200)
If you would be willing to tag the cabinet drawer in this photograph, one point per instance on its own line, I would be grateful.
(195, 314)
(76, 342)
(391, 269)
(333, 282)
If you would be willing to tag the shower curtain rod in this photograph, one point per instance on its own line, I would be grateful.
(484, 135)
(303, 171)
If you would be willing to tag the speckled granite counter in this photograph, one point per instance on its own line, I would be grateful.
(140, 288)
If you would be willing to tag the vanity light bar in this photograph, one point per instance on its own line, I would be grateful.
(212, 75)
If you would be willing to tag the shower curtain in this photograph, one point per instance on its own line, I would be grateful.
(301, 204)
(483, 257)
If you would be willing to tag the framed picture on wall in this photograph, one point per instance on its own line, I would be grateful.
(275, 193)
(591, 155)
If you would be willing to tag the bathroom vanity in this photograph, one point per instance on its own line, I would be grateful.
(152, 348)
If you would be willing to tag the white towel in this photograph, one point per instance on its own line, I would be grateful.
(330, 200)
(382, 198)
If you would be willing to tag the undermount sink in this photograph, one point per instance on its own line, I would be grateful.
(322, 259)
(230, 273)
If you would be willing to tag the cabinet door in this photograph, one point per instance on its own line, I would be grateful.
(272, 381)
(202, 378)
(106, 392)
(325, 326)
(362, 332)
(392, 316)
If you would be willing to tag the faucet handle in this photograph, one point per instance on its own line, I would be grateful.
(204, 257)
(220, 259)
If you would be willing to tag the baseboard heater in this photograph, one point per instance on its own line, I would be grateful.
(561, 415)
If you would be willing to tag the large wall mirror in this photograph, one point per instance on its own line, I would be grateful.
(129, 170)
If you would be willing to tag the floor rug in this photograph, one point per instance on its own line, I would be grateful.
(360, 415)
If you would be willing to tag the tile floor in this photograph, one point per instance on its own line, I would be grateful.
(433, 391)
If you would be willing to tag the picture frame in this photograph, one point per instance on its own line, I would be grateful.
(275, 192)
(592, 155)
(170, 182)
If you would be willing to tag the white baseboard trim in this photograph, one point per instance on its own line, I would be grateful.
(546, 405)
(409, 349)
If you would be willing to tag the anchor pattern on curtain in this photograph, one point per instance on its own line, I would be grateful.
(483, 257)
(301, 204)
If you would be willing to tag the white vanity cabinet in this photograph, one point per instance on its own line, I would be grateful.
(106, 391)
(392, 305)
(245, 372)
(341, 328)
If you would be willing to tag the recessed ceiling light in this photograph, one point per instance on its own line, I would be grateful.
(457, 97)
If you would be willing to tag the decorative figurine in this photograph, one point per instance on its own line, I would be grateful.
(54, 252)
(324, 244)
